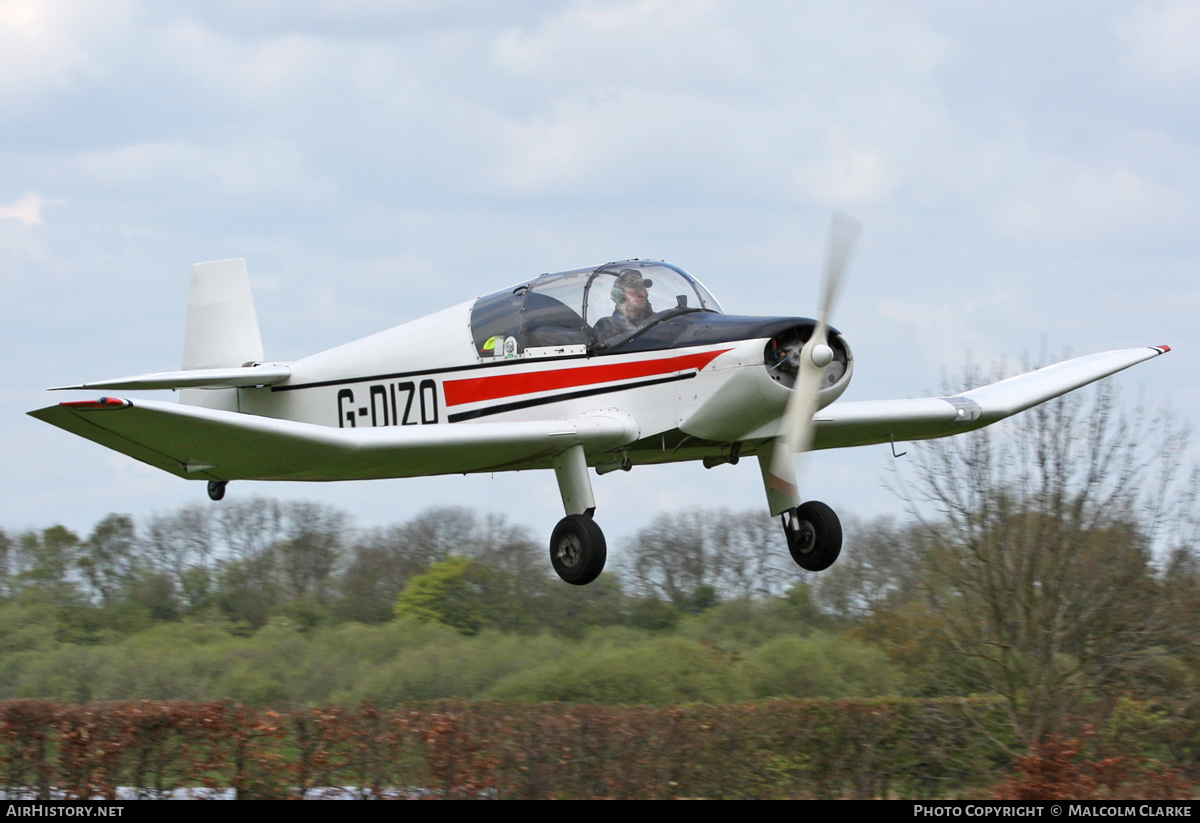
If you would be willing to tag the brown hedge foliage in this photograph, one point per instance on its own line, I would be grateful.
(1059, 769)
(781, 749)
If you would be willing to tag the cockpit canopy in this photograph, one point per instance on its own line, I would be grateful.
(593, 308)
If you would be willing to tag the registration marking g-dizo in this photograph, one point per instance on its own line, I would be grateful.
(409, 403)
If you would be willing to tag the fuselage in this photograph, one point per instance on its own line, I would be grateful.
(695, 379)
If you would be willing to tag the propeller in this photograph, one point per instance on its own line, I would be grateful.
(815, 357)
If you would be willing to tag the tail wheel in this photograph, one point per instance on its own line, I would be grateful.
(578, 549)
(814, 535)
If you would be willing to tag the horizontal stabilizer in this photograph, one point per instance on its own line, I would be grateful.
(880, 421)
(243, 377)
(209, 444)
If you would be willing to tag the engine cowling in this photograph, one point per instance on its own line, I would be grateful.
(781, 357)
(746, 398)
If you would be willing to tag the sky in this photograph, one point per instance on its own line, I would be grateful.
(1027, 173)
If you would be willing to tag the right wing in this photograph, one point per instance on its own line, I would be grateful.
(210, 444)
(880, 421)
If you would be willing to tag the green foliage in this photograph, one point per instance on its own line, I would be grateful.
(657, 671)
(911, 634)
(574, 611)
(752, 622)
(48, 559)
(155, 595)
(654, 615)
(247, 590)
(196, 590)
(27, 626)
(470, 595)
(821, 665)
(449, 593)
(106, 559)
(456, 666)
(306, 613)
(699, 600)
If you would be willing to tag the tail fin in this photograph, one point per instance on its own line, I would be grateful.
(222, 327)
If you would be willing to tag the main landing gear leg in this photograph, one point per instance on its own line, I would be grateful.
(812, 529)
(577, 547)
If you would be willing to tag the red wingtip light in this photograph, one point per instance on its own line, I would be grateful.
(1164, 348)
(102, 403)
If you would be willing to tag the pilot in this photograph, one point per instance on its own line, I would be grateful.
(632, 306)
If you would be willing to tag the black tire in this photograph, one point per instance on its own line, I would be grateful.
(814, 535)
(578, 549)
(216, 489)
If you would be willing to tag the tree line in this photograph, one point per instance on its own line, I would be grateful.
(251, 559)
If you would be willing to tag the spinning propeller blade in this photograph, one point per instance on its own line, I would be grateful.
(816, 354)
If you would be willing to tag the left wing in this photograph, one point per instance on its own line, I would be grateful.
(879, 421)
(210, 444)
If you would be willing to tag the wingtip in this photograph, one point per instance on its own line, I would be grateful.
(1161, 349)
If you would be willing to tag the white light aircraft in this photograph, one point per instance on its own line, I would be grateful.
(612, 366)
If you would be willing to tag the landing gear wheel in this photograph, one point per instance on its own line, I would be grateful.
(216, 489)
(578, 549)
(814, 535)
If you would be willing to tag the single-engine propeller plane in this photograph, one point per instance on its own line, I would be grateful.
(611, 366)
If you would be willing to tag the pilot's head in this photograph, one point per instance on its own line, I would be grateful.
(629, 293)
(630, 283)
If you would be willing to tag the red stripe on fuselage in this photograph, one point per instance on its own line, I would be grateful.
(478, 389)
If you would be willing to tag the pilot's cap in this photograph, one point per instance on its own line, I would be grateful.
(632, 279)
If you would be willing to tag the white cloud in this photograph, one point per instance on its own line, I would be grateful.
(27, 208)
(50, 45)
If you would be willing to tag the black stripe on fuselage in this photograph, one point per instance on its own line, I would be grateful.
(541, 401)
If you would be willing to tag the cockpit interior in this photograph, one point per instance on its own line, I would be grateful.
(585, 310)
